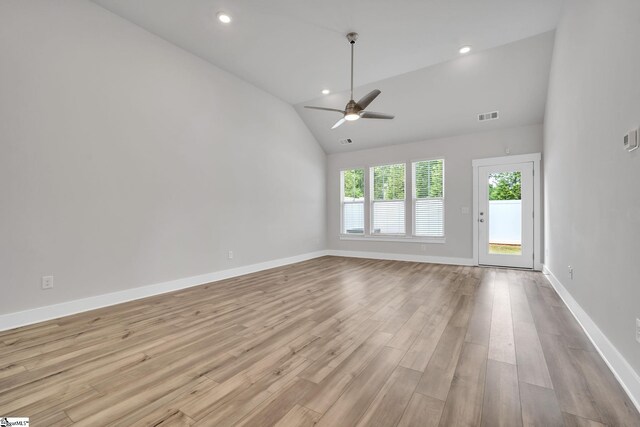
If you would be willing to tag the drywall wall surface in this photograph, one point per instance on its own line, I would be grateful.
(126, 161)
(458, 153)
(592, 206)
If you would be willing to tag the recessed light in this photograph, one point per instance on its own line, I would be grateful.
(326, 91)
(223, 17)
(465, 49)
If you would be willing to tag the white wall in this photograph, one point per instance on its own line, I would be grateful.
(458, 152)
(125, 161)
(592, 195)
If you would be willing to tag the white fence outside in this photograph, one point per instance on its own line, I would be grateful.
(505, 222)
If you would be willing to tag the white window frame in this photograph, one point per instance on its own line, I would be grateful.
(372, 200)
(409, 236)
(364, 202)
(439, 239)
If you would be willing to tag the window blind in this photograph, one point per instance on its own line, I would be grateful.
(388, 201)
(388, 217)
(428, 198)
(353, 217)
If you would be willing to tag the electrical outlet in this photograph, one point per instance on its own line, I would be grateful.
(230, 254)
(570, 272)
(47, 282)
(638, 330)
(423, 248)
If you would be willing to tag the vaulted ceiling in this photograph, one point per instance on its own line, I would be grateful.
(408, 48)
(444, 99)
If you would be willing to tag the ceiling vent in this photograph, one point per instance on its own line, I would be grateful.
(346, 141)
(488, 116)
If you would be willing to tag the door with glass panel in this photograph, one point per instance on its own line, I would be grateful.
(505, 215)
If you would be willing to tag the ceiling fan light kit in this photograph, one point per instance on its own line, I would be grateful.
(355, 110)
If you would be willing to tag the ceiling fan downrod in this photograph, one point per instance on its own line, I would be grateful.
(352, 37)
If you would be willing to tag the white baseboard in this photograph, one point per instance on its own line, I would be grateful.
(40, 314)
(622, 370)
(402, 257)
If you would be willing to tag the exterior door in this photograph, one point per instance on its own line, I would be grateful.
(505, 215)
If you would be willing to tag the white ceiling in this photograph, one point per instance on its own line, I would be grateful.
(407, 48)
(295, 48)
(444, 99)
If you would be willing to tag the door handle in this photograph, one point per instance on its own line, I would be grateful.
(481, 220)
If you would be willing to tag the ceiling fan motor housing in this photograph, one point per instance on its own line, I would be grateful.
(352, 37)
(352, 107)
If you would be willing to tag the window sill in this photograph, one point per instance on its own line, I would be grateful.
(403, 239)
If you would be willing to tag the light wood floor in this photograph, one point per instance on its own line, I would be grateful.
(331, 341)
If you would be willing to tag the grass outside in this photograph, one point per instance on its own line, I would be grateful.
(496, 248)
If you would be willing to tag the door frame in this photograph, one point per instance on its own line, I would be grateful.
(537, 217)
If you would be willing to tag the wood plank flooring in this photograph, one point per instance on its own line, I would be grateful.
(328, 342)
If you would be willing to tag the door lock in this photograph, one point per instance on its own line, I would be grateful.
(481, 220)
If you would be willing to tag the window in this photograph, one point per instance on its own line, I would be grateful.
(352, 201)
(388, 201)
(428, 198)
(382, 211)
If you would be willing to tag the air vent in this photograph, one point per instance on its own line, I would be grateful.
(346, 141)
(488, 116)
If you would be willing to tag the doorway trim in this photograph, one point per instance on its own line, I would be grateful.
(537, 215)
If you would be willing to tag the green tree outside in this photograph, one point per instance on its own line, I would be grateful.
(388, 182)
(353, 184)
(505, 186)
(429, 179)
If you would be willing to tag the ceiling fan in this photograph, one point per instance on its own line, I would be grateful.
(356, 110)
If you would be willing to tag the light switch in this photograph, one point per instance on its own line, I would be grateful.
(631, 140)
(464, 210)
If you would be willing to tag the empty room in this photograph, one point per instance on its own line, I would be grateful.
(333, 213)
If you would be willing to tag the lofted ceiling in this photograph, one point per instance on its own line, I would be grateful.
(407, 48)
(444, 99)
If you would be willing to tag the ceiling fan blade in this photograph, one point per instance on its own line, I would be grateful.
(324, 109)
(368, 98)
(372, 115)
(338, 123)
